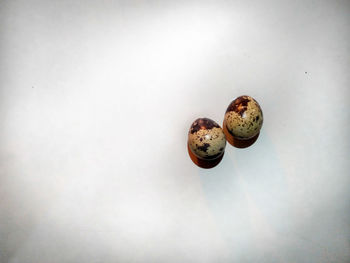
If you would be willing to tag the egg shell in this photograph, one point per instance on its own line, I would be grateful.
(206, 139)
(244, 117)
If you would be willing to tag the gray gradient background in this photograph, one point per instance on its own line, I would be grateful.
(96, 101)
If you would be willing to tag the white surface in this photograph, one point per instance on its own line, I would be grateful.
(96, 101)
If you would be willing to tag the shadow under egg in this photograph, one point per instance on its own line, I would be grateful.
(204, 163)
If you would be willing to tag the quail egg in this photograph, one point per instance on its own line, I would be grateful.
(206, 139)
(244, 118)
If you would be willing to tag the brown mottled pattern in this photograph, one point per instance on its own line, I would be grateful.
(239, 105)
(203, 123)
(244, 117)
(206, 139)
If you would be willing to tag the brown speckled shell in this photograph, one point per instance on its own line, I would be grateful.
(244, 117)
(206, 139)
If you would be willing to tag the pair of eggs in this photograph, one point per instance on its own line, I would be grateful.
(243, 120)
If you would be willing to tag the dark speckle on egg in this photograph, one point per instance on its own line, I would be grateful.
(204, 147)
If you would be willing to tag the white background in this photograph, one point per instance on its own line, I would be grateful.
(96, 101)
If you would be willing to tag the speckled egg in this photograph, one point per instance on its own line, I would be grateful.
(244, 118)
(206, 139)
